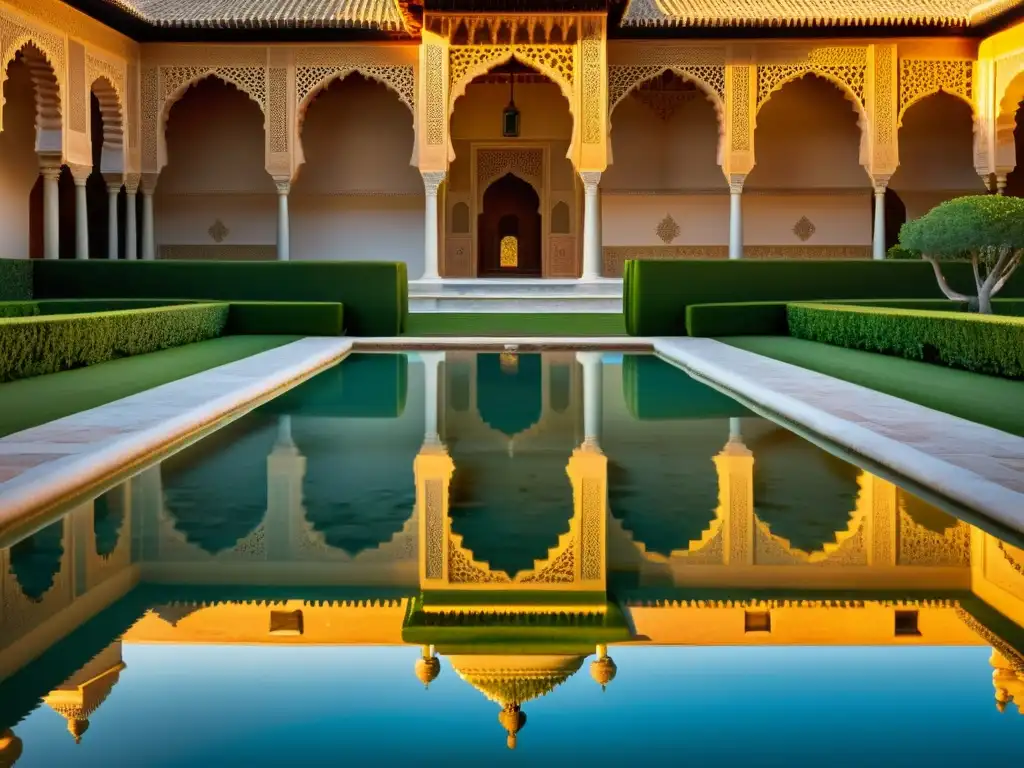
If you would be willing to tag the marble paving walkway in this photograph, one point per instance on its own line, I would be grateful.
(974, 465)
(44, 465)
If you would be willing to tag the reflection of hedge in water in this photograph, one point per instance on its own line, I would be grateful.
(35, 561)
(363, 385)
(509, 401)
(107, 519)
(510, 510)
(802, 493)
(358, 492)
(216, 491)
(664, 487)
(656, 390)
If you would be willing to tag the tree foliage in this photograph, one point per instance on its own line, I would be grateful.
(987, 230)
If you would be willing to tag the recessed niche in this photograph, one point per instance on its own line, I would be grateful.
(286, 622)
(906, 624)
(757, 621)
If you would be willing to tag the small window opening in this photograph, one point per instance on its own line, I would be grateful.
(757, 621)
(906, 624)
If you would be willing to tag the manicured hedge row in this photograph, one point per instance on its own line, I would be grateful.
(768, 318)
(980, 343)
(15, 279)
(309, 318)
(656, 293)
(658, 391)
(375, 294)
(31, 346)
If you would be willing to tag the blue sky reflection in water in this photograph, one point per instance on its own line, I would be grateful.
(699, 687)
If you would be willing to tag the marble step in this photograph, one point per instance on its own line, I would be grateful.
(515, 295)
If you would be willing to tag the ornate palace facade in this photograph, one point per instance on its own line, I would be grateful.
(484, 138)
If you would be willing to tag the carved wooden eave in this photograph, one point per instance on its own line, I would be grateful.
(681, 14)
(388, 16)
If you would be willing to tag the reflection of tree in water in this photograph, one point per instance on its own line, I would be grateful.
(216, 491)
(107, 519)
(357, 493)
(36, 561)
(927, 516)
(664, 489)
(802, 493)
(510, 510)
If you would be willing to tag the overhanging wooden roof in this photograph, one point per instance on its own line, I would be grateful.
(811, 13)
(375, 15)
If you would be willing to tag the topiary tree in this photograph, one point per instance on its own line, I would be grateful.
(987, 230)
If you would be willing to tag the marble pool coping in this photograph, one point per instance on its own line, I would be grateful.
(54, 464)
(978, 467)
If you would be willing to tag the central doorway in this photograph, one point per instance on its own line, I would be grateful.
(509, 230)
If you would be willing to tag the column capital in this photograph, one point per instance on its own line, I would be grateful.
(432, 180)
(80, 173)
(132, 182)
(880, 183)
(149, 181)
(50, 172)
(590, 180)
(736, 183)
(284, 186)
(114, 182)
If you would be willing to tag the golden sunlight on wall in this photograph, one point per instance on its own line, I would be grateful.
(936, 154)
(19, 167)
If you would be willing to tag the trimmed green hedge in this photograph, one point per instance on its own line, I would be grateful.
(748, 318)
(294, 318)
(768, 318)
(15, 279)
(32, 346)
(979, 343)
(374, 294)
(657, 293)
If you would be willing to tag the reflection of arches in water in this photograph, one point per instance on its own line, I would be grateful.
(509, 399)
(665, 490)
(561, 386)
(359, 489)
(802, 493)
(510, 510)
(929, 517)
(36, 561)
(107, 519)
(216, 491)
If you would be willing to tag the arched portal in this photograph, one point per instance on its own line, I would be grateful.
(21, 187)
(936, 140)
(215, 198)
(36, 561)
(484, 152)
(509, 230)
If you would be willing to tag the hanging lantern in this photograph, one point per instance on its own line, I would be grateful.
(510, 117)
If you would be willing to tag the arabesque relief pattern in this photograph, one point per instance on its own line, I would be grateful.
(922, 77)
(844, 65)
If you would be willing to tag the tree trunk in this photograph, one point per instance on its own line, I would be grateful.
(985, 300)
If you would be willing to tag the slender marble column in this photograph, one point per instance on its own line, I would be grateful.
(283, 236)
(431, 181)
(591, 225)
(81, 173)
(736, 219)
(735, 429)
(592, 395)
(1000, 183)
(431, 361)
(51, 210)
(113, 190)
(878, 243)
(131, 235)
(148, 234)
(284, 430)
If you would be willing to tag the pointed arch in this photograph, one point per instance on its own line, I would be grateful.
(47, 90)
(1006, 123)
(932, 92)
(106, 93)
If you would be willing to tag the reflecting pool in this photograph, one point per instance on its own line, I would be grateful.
(433, 558)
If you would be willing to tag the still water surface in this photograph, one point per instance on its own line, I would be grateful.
(433, 558)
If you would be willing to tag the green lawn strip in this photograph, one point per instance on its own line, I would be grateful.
(515, 324)
(987, 400)
(29, 402)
